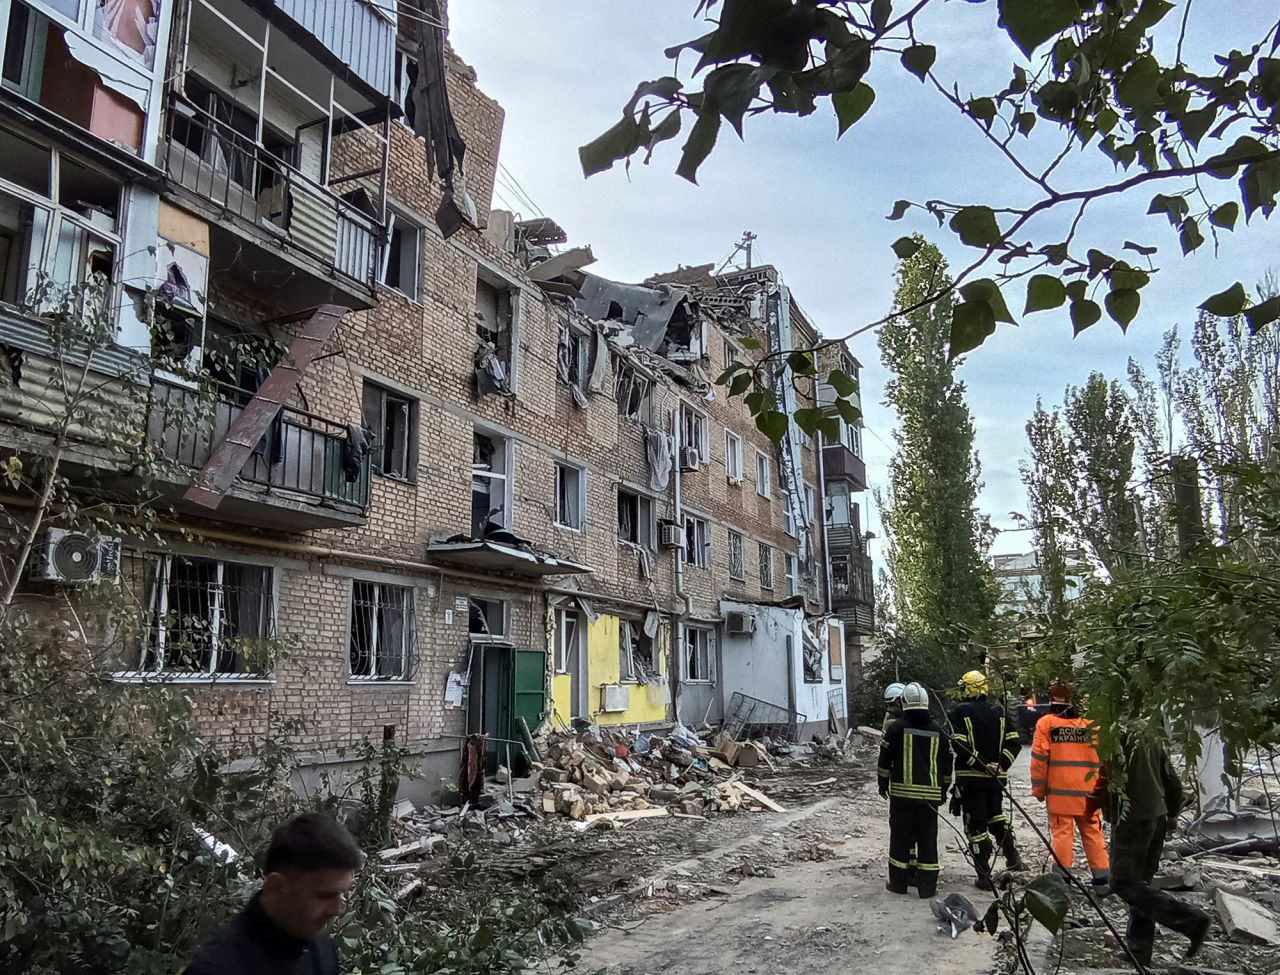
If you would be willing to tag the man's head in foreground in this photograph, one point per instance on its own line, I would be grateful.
(309, 869)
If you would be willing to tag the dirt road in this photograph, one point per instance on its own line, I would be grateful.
(824, 907)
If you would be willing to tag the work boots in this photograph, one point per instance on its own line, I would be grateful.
(1012, 858)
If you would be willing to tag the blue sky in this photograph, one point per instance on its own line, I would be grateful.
(562, 69)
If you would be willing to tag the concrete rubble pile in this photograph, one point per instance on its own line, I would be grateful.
(604, 774)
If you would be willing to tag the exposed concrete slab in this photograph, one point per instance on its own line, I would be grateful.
(1246, 920)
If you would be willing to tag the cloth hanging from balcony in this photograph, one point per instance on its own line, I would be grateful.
(657, 449)
(433, 120)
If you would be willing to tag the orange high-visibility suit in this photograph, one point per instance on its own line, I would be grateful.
(1064, 774)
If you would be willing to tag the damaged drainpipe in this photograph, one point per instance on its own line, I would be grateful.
(821, 517)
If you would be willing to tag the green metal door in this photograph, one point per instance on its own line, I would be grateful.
(530, 688)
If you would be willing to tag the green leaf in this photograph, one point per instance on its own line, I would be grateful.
(1225, 216)
(983, 109)
(667, 129)
(1190, 237)
(808, 419)
(848, 411)
(991, 920)
(1026, 122)
(1047, 900)
(801, 363)
(1139, 86)
(842, 383)
(1227, 303)
(1122, 306)
(1140, 248)
(904, 247)
(900, 209)
(881, 10)
(1175, 207)
(1195, 124)
(1076, 290)
(1032, 22)
(1259, 186)
(1044, 291)
(1263, 314)
(702, 139)
(852, 105)
(984, 289)
(972, 322)
(619, 142)
(1084, 313)
(919, 58)
(749, 343)
(772, 424)
(730, 89)
(976, 226)
(1098, 261)
(740, 384)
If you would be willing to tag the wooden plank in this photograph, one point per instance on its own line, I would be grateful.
(759, 797)
(626, 814)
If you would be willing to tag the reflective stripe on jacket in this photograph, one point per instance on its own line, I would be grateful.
(980, 735)
(916, 759)
(1064, 763)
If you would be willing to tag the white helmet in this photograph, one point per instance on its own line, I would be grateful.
(893, 692)
(915, 698)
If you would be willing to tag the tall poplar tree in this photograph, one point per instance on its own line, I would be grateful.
(943, 588)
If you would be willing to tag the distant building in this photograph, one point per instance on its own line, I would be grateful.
(1021, 582)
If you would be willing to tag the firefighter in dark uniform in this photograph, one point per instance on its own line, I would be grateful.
(914, 771)
(985, 746)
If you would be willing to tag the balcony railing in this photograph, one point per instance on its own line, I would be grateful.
(301, 457)
(212, 159)
(839, 462)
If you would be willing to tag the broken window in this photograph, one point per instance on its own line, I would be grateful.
(394, 422)
(577, 354)
(837, 505)
(569, 634)
(382, 631)
(488, 619)
(494, 309)
(571, 496)
(730, 354)
(490, 489)
(635, 519)
(406, 76)
(839, 576)
(694, 426)
(791, 575)
(733, 456)
(764, 475)
(129, 27)
(810, 504)
(697, 542)
(64, 230)
(697, 654)
(402, 261)
(737, 561)
(766, 566)
(812, 660)
(637, 662)
(219, 135)
(635, 394)
(199, 617)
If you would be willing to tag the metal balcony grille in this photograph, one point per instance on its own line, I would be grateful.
(749, 717)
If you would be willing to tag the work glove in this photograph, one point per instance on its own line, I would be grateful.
(957, 805)
(884, 788)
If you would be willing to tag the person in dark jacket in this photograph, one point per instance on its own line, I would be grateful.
(1142, 816)
(985, 746)
(914, 771)
(309, 869)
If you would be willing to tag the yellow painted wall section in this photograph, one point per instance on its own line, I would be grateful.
(649, 703)
(561, 700)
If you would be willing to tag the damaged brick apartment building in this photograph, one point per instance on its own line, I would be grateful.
(484, 487)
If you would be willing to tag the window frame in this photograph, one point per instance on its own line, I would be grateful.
(698, 526)
(398, 219)
(733, 457)
(562, 663)
(384, 396)
(565, 504)
(741, 561)
(157, 587)
(507, 447)
(408, 634)
(627, 381)
(765, 555)
(764, 463)
(730, 353)
(627, 670)
(646, 526)
(791, 570)
(694, 422)
(506, 316)
(703, 648)
(476, 605)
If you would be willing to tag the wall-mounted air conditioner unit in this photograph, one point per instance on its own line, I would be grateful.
(670, 535)
(74, 557)
(690, 459)
(740, 624)
(615, 697)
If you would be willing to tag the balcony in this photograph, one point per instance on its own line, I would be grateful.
(839, 462)
(853, 592)
(294, 481)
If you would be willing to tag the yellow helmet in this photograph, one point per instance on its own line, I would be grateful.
(973, 684)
